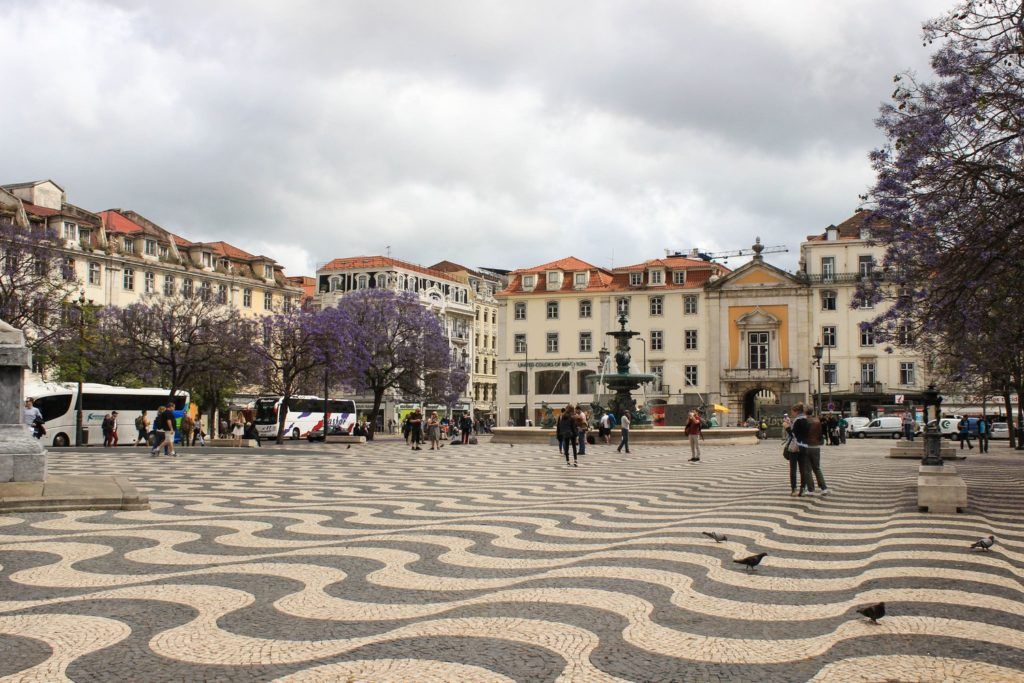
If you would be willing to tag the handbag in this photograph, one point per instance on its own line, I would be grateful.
(790, 450)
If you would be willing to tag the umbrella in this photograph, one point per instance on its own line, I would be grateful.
(720, 408)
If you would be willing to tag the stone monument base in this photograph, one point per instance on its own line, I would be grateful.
(22, 457)
(941, 489)
(915, 452)
(60, 493)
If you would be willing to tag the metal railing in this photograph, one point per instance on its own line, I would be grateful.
(822, 278)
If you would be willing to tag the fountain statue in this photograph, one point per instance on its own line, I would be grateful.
(623, 381)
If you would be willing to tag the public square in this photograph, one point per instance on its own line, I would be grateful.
(491, 562)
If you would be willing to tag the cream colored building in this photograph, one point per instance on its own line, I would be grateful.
(744, 339)
(120, 257)
(442, 293)
(483, 284)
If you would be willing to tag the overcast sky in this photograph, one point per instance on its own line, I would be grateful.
(501, 134)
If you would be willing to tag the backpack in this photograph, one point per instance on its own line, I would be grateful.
(140, 423)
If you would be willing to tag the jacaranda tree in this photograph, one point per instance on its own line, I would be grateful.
(949, 194)
(391, 341)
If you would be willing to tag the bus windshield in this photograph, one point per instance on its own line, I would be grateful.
(266, 411)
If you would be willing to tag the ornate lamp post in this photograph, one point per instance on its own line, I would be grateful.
(80, 305)
(932, 434)
(526, 387)
(818, 349)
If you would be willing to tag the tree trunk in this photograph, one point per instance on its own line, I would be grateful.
(1020, 415)
(378, 397)
(1009, 416)
(282, 414)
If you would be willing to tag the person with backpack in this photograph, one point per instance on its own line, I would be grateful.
(983, 430)
(141, 429)
(964, 432)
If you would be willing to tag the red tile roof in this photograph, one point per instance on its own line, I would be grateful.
(570, 263)
(452, 267)
(355, 262)
(115, 221)
(601, 280)
(851, 227)
(38, 210)
(229, 251)
(676, 262)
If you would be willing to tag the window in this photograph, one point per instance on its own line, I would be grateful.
(679, 277)
(867, 336)
(168, 285)
(552, 342)
(905, 336)
(94, 273)
(70, 231)
(186, 287)
(528, 282)
(865, 302)
(150, 247)
(287, 304)
(656, 277)
(268, 301)
(865, 265)
(659, 376)
(867, 373)
(362, 281)
(207, 259)
(554, 277)
(690, 375)
(163, 252)
(520, 343)
(690, 304)
(757, 349)
(828, 299)
(829, 374)
(150, 280)
(586, 342)
(657, 305)
(636, 279)
(828, 268)
(552, 382)
(585, 308)
(129, 246)
(40, 266)
(907, 373)
(517, 383)
(520, 310)
(552, 309)
(690, 340)
(268, 271)
(828, 336)
(204, 290)
(657, 340)
(581, 279)
(128, 279)
(622, 306)
(222, 294)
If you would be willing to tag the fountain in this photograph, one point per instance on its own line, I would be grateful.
(624, 382)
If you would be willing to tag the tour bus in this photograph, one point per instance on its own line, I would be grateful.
(305, 414)
(58, 403)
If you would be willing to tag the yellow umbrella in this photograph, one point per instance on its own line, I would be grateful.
(721, 409)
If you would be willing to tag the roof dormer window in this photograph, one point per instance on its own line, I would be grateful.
(268, 271)
(679, 277)
(580, 279)
(656, 277)
(150, 247)
(554, 279)
(528, 281)
(207, 259)
(636, 279)
(129, 245)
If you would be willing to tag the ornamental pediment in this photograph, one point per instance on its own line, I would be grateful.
(757, 318)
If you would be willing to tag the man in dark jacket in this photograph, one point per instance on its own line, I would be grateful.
(565, 430)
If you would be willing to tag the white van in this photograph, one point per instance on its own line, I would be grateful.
(891, 427)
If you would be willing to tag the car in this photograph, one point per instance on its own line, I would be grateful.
(318, 434)
(891, 427)
(1000, 430)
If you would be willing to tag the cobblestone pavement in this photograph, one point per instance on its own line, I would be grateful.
(497, 563)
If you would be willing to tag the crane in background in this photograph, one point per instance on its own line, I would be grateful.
(724, 256)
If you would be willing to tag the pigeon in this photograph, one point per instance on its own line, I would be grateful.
(511, 446)
(873, 612)
(348, 447)
(984, 543)
(751, 561)
(715, 536)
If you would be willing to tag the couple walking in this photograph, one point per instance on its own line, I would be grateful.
(571, 430)
(803, 451)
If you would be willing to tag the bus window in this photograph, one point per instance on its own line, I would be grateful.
(53, 407)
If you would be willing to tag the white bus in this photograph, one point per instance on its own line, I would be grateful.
(57, 403)
(305, 414)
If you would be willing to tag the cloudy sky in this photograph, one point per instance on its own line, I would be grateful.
(501, 134)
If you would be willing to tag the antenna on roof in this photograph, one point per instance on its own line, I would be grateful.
(387, 250)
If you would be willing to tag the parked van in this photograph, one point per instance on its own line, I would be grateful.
(891, 427)
(949, 426)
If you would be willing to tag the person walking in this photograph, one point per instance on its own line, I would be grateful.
(908, 426)
(964, 431)
(798, 460)
(434, 432)
(187, 427)
(237, 430)
(565, 430)
(415, 430)
(815, 439)
(983, 430)
(624, 423)
(168, 427)
(157, 432)
(466, 425)
(33, 418)
(843, 425)
(582, 424)
(141, 429)
(604, 429)
(107, 427)
(693, 435)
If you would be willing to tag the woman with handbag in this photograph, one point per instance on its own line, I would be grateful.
(795, 451)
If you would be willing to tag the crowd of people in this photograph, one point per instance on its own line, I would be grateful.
(417, 429)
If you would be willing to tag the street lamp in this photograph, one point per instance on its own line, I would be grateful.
(526, 384)
(80, 304)
(818, 349)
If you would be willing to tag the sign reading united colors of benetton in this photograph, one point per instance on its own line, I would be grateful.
(555, 364)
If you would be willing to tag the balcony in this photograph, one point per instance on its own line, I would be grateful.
(459, 335)
(868, 388)
(659, 389)
(819, 278)
(745, 374)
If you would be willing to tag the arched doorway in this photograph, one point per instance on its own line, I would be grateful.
(755, 400)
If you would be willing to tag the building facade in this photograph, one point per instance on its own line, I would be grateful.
(744, 339)
(120, 257)
(442, 293)
(483, 285)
